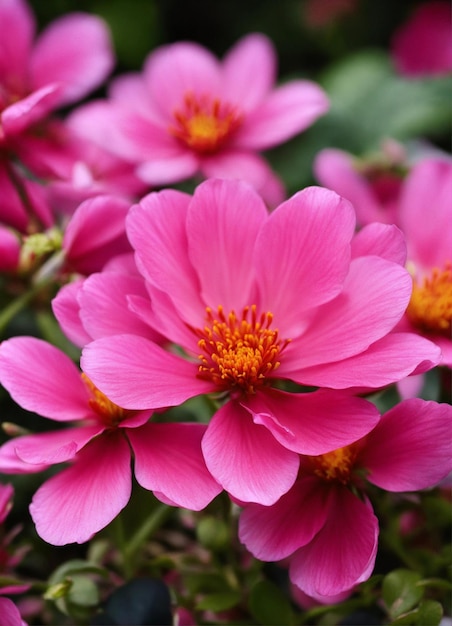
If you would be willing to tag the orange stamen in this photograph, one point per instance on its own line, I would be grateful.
(430, 307)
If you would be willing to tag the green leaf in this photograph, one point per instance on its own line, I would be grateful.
(269, 606)
(220, 601)
(430, 613)
(75, 566)
(401, 591)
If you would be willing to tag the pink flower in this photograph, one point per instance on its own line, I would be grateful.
(10, 613)
(422, 46)
(69, 59)
(189, 113)
(253, 299)
(331, 534)
(372, 186)
(425, 216)
(83, 498)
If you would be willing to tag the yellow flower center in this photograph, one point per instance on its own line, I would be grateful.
(239, 352)
(110, 414)
(203, 123)
(430, 307)
(335, 465)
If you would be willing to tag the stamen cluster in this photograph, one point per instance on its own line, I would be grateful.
(204, 123)
(430, 307)
(239, 352)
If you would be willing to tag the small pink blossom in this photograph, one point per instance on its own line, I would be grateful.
(83, 498)
(373, 186)
(330, 533)
(422, 46)
(253, 299)
(188, 114)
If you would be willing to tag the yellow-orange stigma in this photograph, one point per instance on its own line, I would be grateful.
(336, 465)
(430, 307)
(203, 123)
(109, 413)
(238, 353)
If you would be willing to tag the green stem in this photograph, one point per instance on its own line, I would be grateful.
(17, 305)
(150, 525)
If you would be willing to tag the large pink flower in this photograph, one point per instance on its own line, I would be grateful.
(330, 533)
(422, 46)
(253, 299)
(83, 498)
(189, 113)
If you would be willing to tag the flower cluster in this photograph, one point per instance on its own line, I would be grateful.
(282, 318)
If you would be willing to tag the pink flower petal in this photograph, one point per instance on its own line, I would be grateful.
(309, 235)
(313, 423)
(343, 553)
(249, 71)
(174, 70)
(374, 298)
(81, 500)
(18, 28)
(10, 613)
(6, 495)
(388, 360)
(43, 379)
(54, 447)
(429, 238)
(157, 230)
(9, 250)
(301, 512)
(335, 169)
(383, 240)
(411, 447)
(10, 463)
(66, 309)
(170, 169)
(96, 233)
(104, 307)
(168, 459)
(74, 51)
(29, 110)
(285, 112)
(246, 459)
(223, 222)
(137, 374)
(236, 164)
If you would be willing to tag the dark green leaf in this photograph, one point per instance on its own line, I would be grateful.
(268, 605)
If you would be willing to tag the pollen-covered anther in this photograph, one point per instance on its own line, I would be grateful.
(430, 307)
(203, 123)
(109, 413)
(335, 465)
(239, 352)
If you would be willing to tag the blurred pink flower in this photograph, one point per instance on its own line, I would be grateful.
(67, 61)
(373, 186)
(188, 113)
(422, 46)
(82, 499)
(253, 298)
(74, 167)
(330, 532)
